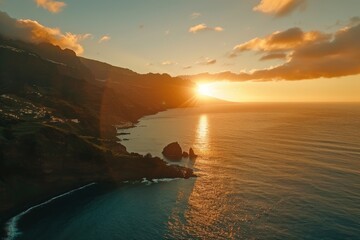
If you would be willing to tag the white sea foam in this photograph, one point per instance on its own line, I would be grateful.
(158, 180)
(11, 225)
(164, 180)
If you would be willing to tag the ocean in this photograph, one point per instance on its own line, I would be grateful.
(265, 171)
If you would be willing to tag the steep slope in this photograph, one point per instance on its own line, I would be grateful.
(111, 94)
(57, 122)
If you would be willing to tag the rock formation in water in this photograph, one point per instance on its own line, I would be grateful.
(192, 154)
(173, 151)
(185, 154)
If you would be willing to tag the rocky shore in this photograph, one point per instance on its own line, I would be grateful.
(50, 161)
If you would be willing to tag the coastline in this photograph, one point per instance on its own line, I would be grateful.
(32, 204)
(57, 123)
(10, 229)
(165, 173)
(11, 226)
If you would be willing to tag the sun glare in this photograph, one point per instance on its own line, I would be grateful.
(204, 89)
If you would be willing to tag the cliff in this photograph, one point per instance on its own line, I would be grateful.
(57, 117)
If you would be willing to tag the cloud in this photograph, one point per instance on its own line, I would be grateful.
(51, 5)
(334, 56)
(195, 15)
(86, 36)
(279, 7)
(31, 31)
(282, 40)
(104, 38)
(202, 27)
(354, 21)
(168, 63)
(206, 61)
(203, 61)
(272, 56)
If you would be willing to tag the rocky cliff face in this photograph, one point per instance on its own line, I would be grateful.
(57, 117)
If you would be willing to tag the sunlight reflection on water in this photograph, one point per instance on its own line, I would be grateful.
(202, 132)
(289, 172)
(254, 177)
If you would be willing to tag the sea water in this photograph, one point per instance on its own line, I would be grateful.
(265, 171)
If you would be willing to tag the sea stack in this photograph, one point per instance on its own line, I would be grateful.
(173, 151)
(192, 154)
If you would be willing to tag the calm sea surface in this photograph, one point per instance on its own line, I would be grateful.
(273, 171)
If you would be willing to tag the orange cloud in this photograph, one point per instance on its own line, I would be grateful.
(279, 7)
(203, 27)
(282, 41)
(51, 5)
(31, 31)
(334, 56)
(272, 56)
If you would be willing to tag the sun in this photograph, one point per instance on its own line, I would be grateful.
(204, 89)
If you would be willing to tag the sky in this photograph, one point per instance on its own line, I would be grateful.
(276, 50)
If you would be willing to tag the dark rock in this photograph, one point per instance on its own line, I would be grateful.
(148, 155)
(124, 133)
(185, 154)
(172, 151)
(192, 154)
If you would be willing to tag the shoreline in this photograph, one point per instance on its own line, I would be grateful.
(15, 214)
(11, 225)
(174, 172)
(17, 210)
(9, 218)
(40, 201)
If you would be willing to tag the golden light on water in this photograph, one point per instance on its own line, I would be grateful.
(202, 132)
